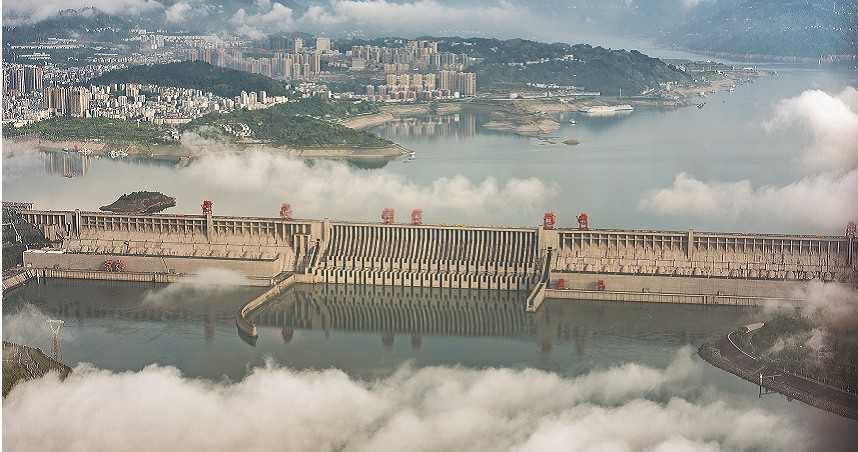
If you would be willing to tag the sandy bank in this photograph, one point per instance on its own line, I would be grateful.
(391, 112)
(387, 152)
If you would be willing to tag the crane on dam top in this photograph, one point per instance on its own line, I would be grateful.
(207, 207)
(549, 221)
(387, 216)
(583, 221)
(417, 217)
(286, 211)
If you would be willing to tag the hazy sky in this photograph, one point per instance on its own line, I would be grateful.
(547, 19)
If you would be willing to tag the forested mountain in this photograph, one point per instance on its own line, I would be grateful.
(514, 62)
(802, 28)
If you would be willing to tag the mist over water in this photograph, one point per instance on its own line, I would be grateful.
(336, 370)
(466, 174)
(582, 375)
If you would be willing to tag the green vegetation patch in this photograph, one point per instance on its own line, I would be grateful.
(114, 131)
(801, 345)
(300, 124)
(593, 69)
(195, 75)
(317, 107)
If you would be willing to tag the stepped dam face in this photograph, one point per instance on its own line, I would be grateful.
(602, 264)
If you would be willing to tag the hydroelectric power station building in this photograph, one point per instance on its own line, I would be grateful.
(545, 261)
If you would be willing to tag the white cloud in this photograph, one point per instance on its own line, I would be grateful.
(382, 16)
(435, 408)
(269, 18)
(28, 325)
(19, 11)
(318, 190)
(179, 13)
(830, 305)
(823, 200)
(207, 282)
(832, 122)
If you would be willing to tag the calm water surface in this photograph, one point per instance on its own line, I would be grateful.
(619, 159)
(371, 332)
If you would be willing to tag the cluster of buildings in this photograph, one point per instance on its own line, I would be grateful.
(152, 103)
(409, 71)
(22, 79)
(418, 56)
(409, 87)
(289, 62)
(22, 92)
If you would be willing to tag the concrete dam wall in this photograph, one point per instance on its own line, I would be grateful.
(618, 265)
(429, 256)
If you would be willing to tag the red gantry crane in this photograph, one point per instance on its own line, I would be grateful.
(417, 217)
(549, 221)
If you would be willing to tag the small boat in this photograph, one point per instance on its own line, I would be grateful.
(572, 121)
(701, 105)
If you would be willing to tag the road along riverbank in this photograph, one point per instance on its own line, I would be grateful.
(727, 354)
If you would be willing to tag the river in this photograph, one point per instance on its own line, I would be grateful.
(371, 333)
(464, 173)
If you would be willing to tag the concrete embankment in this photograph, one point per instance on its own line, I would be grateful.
(661, 297)
(727, 355)
(17, 278)
(243, 322)
(98, 275)
(392, 112)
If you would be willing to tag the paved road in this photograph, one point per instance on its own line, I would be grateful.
(812, 393)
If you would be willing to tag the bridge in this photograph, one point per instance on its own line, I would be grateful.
(576, 263)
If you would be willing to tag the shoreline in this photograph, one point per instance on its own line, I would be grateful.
(178, 152)
(537, 116)
(724, 355)
(391, 112)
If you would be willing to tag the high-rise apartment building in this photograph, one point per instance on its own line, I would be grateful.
(447, 80)
(466, 83)
(24, 79)
(315, 62)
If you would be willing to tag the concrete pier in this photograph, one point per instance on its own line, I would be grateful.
(626, 265)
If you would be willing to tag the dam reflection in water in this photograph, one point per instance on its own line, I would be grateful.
(365, 331)
(418, 312)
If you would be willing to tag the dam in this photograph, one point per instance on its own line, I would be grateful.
(541, 262)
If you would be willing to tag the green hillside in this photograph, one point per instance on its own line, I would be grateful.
(300, 124)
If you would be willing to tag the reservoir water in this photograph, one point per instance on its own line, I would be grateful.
(462, 173)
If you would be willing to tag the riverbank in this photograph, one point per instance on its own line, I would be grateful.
(534, 115)
(179, 153)
(386, 152)
(727, 355)
(391, 112)
(22, 363)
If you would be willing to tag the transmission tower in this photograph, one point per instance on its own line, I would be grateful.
(56, 327)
